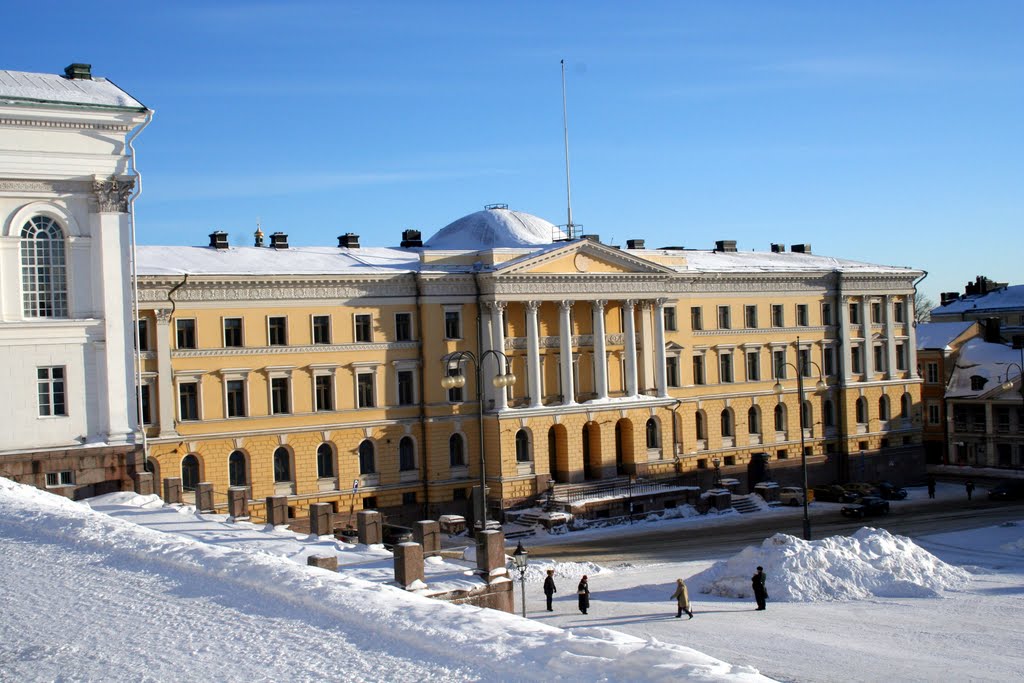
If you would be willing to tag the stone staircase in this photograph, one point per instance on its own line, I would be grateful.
(525, 525)
(744, 505)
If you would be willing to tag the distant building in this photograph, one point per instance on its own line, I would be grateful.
(66, 357)
(938, 348)
(984, 299)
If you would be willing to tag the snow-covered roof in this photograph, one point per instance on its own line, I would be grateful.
(265, 261)
(940, 335)
(19, 86)
(994, 363)
(754, 261)
(1007, 298)
(495, 228)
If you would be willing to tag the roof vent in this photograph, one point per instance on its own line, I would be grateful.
(411, 238)
(488, 207)
(801, 249)
(725, 245)
(349, 240)
(78, 72)
(592, 238)
(634, 244)
(673, 248)
(279, 240)
(778, 248)
(219, 239)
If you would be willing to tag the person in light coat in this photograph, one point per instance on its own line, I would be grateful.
(682, 598)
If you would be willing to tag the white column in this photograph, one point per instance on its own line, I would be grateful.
(533, 353)
(600, 353)
(629, 331)
(869, 342)
(844, 334)
(490, 368)
(911, 339)
(890, 339)
(661, 379)
(498, 340)
(646, 346)
(166, 396)
(565, 349)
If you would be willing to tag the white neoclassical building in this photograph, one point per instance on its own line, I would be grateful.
(66, 180)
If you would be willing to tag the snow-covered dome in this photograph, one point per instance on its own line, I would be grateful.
(493, 228)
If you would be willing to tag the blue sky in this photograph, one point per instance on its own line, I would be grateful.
(878, 131)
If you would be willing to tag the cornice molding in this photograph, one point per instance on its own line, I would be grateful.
(317, 348)
(71, 125)
(151, 290)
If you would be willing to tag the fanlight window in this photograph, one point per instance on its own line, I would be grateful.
(44, 286)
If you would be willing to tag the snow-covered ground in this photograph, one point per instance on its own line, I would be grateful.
(134, 591)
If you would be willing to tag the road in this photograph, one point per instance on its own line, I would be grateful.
(702, 542)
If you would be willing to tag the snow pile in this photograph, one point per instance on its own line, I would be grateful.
(871, 563)
(537, 571)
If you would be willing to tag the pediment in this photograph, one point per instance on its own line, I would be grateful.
(582, 257)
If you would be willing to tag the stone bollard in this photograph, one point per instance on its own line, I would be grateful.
(428, 534)
(320, 522)
(328, 562)
(722, 501)
(277, 510)
(204, 497)
(490, 553)
(143, 483)
(408, 563)
(172, 490)
(369, 524)
(238, 502)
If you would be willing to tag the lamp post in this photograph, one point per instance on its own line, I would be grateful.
(717, 462)
(1008, 384)
(457, 381)
(520, 558)
(818, 387)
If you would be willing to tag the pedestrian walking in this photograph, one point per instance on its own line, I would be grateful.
(931, 487)
(682, 598)
(583, 593)
(970, 489)
(760, 591)
(549, 588)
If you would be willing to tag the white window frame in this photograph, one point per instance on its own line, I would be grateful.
(366, 368)
(931, 372)
(407, 366)
(671, 318)
(749, 351)
(285, 373)
(934, 413)
(725, 309)
(455, 309)
(286, 335)
(195, 334)
(355, 328)
(236, 375)
(51, 383)
(189, 377)
(61, 479)
(325, 370)
(748, 318)
(723, 353)
(702, 354)
(312, 329)
(826, 313)
(224, 331)
(778, 315)
(803, 316)
(148, 385)
(412, 326)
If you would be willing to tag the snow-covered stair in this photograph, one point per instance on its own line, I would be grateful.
(743, 504)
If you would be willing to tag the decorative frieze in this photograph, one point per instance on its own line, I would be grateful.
(45, 186)
(278, 291)
(317, 348)
(72, 125)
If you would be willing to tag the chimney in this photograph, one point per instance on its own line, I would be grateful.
(947, 297)
(725, 245)
(219, 239)
(992, 335)
(349, 240)
(78, 72)
(279, 240)
(778, 248)
(592, 238)
(801, 249)
(411, 238)
(634, 244)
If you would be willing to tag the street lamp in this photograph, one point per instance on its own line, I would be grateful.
(1008, 384)
(819, 386)
(718, 473)
(457, 381)
(520, 558)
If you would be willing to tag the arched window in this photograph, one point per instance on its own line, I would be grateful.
(236, 469)
(727, 423)
(806, 415)
(905, 402)
(44, 287)
(367, 461)
(324, 461)
(698, 419)
(406, 454)
(189, 472)
(282, 465)
(829, 411)
(456, 451)
(653, 440)
(883, 407)
(522, 446)
(862, 410)
(753, 420)
(780, 417)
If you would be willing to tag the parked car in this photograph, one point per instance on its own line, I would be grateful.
(393, 534)
(791, 495)
(1012, 489)
(833, 493)
(890, 491)
(861, 488)
(867, 506)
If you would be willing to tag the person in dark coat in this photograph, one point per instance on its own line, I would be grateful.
(970, 489)
(931, 487)
(549, 588)
(760, 592)
(583, 593)
(682, 598)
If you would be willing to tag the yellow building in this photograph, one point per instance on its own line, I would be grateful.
(301, 371)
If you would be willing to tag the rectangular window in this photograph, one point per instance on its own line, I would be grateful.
(406, 395)
(779, 364)
(753, 366)
(52, 391)
(186, 333)
(455, 393)
(698, 369)
(670, 318)
(778, 316)
(696, 321)
(876, 312)
(143, 332)
(830, 360)
(403, 326)
(901, 356)
(55, 479)
(364, 327)
(803, 361)
(931, 373)
(672, 370)
(188, 401)
(321, 329)
(879, 357)
(277, 330)
(235, 396)
(280, 395)
(409, 498)
(452, 325)
(856, 366)
(826, 314)
(145, 405)
(232, 333)
(801, 315)
(934, 416)
(750, 317)
(724, 318)
(364, 390)
(724, 367)
(324, 392)
(897, 311)
(854, 314)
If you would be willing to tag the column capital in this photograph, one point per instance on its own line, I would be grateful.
(532, 306)
(599, 304)
(495, 305)
(112, 194)
(660, 302)
(629, 303)
(163, 315)
(566, 304)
